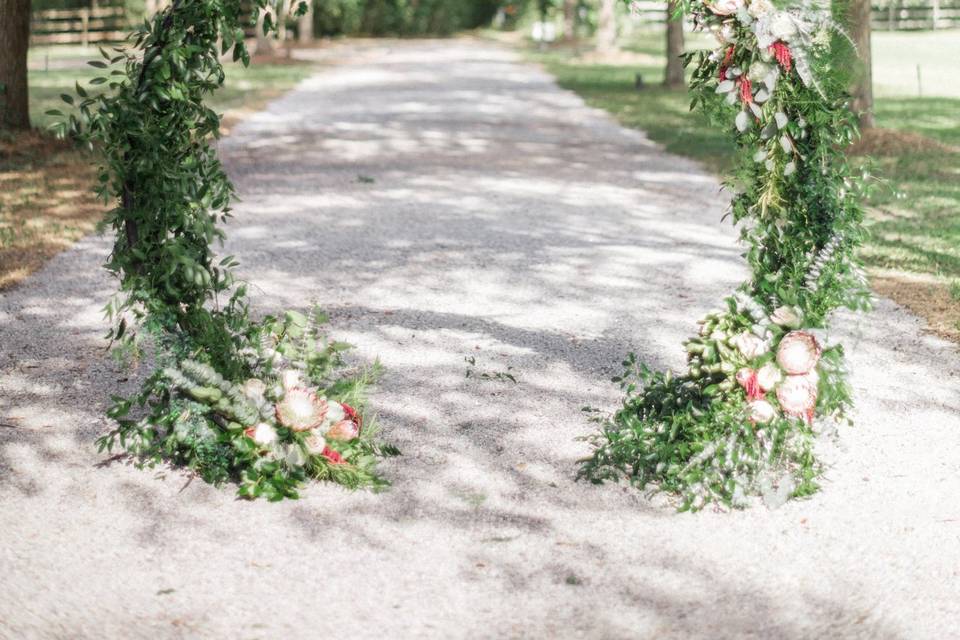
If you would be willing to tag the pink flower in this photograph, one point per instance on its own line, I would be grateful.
(301, 409)
(761, 411)
(798, 352)
(798, 396)
(344, 430)
(333, 455)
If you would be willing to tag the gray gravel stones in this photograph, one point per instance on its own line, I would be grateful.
(444, 201)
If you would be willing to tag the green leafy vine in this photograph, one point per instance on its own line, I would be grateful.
(260, 403)
(760, 383)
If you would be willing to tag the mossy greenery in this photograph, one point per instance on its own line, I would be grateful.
(760, 384)
(260, 403)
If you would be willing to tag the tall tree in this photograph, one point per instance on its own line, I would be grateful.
(305, 25)
(673, 77)
(569, 20)
(14, 41)
(862, 91)
(607, 26)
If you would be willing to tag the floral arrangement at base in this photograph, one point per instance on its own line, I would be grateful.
(760, 382)
(286, 419)
(261, 403)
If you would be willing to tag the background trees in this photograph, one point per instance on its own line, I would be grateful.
(14, 40)
(673, 76)
(859, 20)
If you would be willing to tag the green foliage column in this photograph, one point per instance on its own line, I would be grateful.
(760, 384)
(254, 402)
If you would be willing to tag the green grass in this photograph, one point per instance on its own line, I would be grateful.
(67, 65)
(913, 216)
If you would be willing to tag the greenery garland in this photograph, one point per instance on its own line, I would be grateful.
(256, 402)
(760, 382)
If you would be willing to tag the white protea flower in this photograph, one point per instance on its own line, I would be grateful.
(344, 430)
(749, 345)
(798, 353)
(315, 443)
(290, 378)
(797, 396)
(782, 26)
(724, 7)
(758, 8)
(301, 409)
(254, 389)
(761, 411)
(785, 316)
(263, 434)
(769, 376)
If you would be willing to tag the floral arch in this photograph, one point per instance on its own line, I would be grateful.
(262, 403)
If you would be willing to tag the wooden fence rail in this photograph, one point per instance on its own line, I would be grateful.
(78, 26)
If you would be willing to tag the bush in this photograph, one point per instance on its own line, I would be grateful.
(401, 17)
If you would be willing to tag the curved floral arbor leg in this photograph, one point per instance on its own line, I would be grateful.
(255, 402)
(759, 379)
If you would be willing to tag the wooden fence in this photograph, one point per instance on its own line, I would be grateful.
(78, 26)
(892, 15)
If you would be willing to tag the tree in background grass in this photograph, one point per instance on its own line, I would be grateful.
(569, 20)
(14, 41)
(673, 76)
(607, 26)
(859, 20)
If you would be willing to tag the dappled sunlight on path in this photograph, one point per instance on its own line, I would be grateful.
(445, 202)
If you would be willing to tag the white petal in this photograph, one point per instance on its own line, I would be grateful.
(743, 121)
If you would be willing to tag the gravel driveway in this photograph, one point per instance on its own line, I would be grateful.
(445, 201)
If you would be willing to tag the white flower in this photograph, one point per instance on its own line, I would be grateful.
(798, 396)
(798, 352)
(749, 345)
(263, 434)
(782, 26)
(335, 413)
(787, 316)
(290, 379)
(761, 411)
(758, 8)
(769, 376)
(758, 71)
(254, 388)
(301, 409)
(724, 7)
(315, 443)
(724, 35)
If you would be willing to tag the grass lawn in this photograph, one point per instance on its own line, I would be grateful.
(46, 201)
(913, 254)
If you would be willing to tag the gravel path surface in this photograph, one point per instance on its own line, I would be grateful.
(443, 200)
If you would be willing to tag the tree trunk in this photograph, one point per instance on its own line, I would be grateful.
(305, 25)
(14, 41)
(264, 42)
(673, 77)
(569, 20)
(863, 89)
(607, 26)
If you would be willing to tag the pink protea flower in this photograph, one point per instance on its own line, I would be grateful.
(798, 353)
(797, 396)
(344, 430)
(301, 409)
